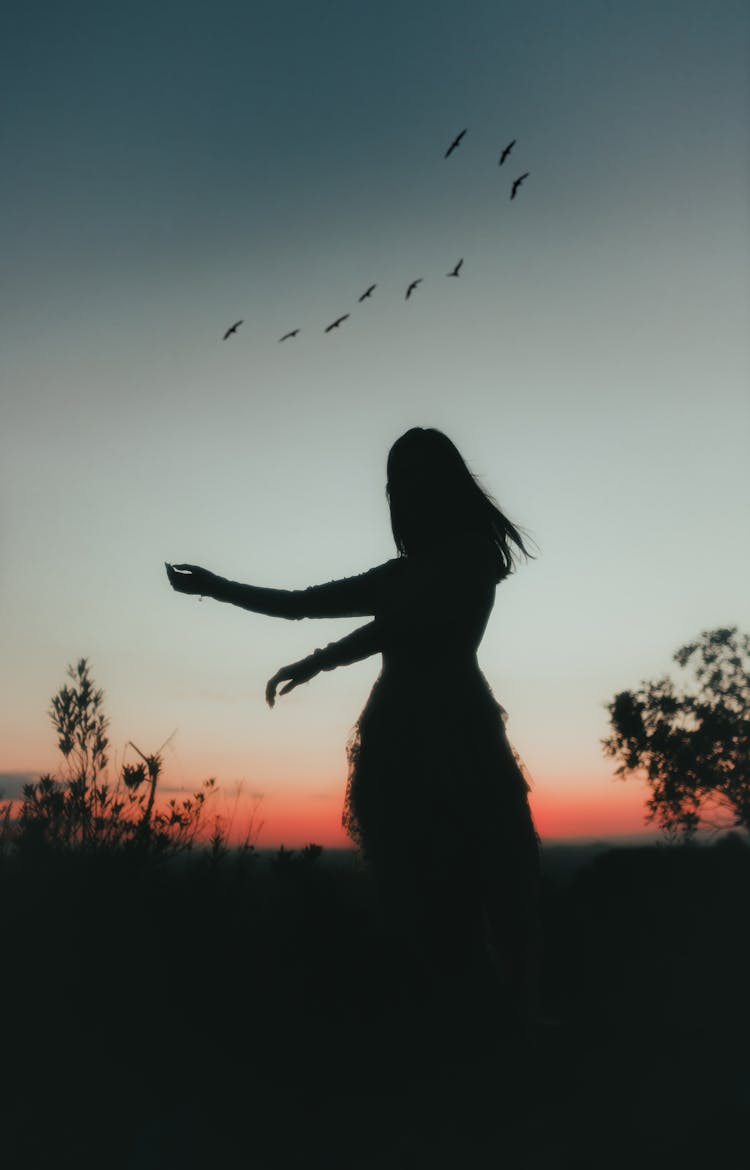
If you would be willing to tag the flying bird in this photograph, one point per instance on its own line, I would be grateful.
(367, 293)
(517, 183)
(456, 270)
(506, 152)
(336, 323)
(291, 333)
(412, 286)
(455, 143)
(232, 329)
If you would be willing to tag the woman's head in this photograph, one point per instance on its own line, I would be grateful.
(433, 497)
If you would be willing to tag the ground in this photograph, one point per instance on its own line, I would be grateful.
(258, 1014)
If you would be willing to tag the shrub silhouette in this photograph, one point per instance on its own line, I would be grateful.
(81, 811)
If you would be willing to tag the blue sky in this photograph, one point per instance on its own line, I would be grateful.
(172, 168)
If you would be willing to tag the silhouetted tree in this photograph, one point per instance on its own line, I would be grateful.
(693, 744)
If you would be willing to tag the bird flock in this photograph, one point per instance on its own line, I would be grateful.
(414, 284)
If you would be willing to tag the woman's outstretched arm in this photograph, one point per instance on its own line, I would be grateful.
(349, 597)
(361, 643)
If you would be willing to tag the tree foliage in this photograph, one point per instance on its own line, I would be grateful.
(692, 743)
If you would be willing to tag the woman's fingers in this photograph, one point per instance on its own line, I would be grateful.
(189, 578)
(291, 676)
(178, 581)
(271, 686)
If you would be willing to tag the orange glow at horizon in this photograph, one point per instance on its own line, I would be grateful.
(564, 807)
(569, 813)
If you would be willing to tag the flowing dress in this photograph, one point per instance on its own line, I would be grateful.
(436, 797)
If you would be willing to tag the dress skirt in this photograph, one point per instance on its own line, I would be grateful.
(437, 802)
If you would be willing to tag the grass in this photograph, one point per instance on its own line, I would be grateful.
(257, 1012)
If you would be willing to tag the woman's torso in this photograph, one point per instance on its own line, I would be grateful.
(434, 609)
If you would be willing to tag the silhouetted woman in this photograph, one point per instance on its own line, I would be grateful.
(436, 798)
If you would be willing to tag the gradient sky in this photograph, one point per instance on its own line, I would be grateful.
(170, 168)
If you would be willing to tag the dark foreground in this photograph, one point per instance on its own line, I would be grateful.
(257, 1014)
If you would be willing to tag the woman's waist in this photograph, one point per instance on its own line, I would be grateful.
(440, 663)
(444, 674)
(447, 698)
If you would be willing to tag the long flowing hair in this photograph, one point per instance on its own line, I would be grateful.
(433, 497)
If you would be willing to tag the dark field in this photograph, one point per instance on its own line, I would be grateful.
(256, 1013)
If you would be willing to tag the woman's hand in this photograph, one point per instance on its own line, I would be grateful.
(191, 579)
(298, 672)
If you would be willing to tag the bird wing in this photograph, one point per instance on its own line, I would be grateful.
(455, 143)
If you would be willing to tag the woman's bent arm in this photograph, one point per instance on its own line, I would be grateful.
(354, 647)
(361, 643)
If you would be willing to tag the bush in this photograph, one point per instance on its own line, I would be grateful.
(80, 811)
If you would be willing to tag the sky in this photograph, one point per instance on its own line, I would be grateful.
(172, 168)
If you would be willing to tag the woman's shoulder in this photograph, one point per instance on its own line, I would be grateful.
(384, 577)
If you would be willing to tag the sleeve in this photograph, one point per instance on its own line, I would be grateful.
(359, 596)
(451, 592)
(361, 643)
